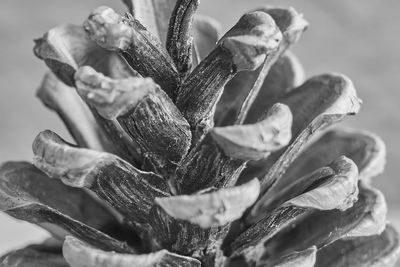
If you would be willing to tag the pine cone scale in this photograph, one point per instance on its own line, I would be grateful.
(150, 181)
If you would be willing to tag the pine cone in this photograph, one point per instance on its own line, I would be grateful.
(193, 149)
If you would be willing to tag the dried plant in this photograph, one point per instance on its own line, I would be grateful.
(194, 149)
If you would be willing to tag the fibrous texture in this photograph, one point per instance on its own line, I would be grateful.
(193, 148)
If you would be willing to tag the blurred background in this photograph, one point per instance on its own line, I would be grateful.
(359, 38)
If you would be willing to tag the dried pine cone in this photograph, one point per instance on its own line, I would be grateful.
(196, 150)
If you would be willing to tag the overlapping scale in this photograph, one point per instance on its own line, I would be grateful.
(216, 208)
(320, 102)
(377, 250)
(291, 24)
(73, 111)
(145, 113)
(219, 158)
(28, 194)
(366, 149)
(269, 237)
(133, 42)
(80, 254)
(200, 91)
(34, 256)
(66, 48)
(129, 190)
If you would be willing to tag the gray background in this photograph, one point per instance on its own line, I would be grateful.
(359, 38)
